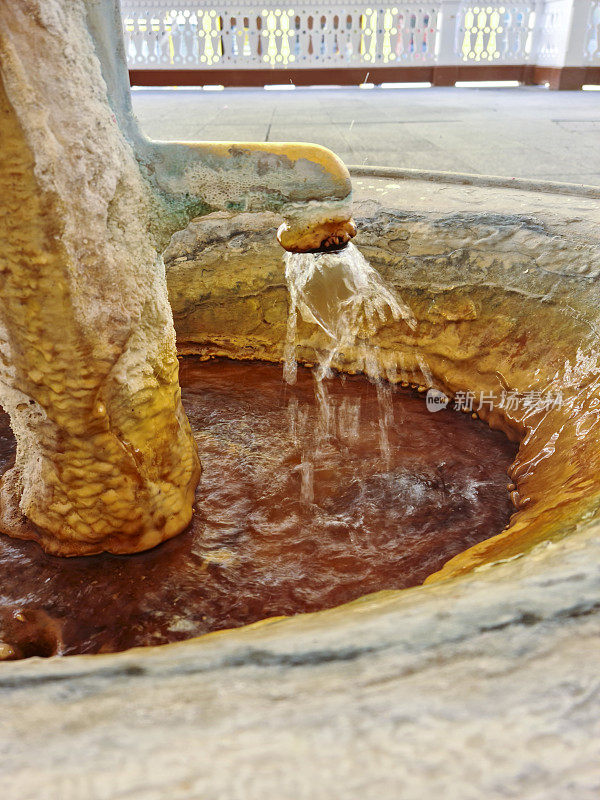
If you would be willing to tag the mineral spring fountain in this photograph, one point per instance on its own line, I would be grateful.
(300, 387)
(88, 331)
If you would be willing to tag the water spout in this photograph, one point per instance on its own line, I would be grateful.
(308, 184)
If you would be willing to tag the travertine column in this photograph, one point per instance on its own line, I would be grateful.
(88, 368)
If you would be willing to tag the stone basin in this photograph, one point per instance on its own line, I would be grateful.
(494, 658)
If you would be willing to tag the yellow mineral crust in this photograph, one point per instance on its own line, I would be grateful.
(327, 235)
(88, 368)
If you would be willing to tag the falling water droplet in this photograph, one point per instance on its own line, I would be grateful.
(307, 494)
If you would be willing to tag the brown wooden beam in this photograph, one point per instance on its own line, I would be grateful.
(567, 78)
(309, 76)
(557, 78)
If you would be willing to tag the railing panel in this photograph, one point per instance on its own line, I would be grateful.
(496, 33)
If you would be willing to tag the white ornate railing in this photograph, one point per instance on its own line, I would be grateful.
(185, 35)
(249, 35)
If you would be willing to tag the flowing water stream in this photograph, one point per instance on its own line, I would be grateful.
(347, 299)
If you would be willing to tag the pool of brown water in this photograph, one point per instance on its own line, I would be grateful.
(307, 500)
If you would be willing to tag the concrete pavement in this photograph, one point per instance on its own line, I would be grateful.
(526, 132)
